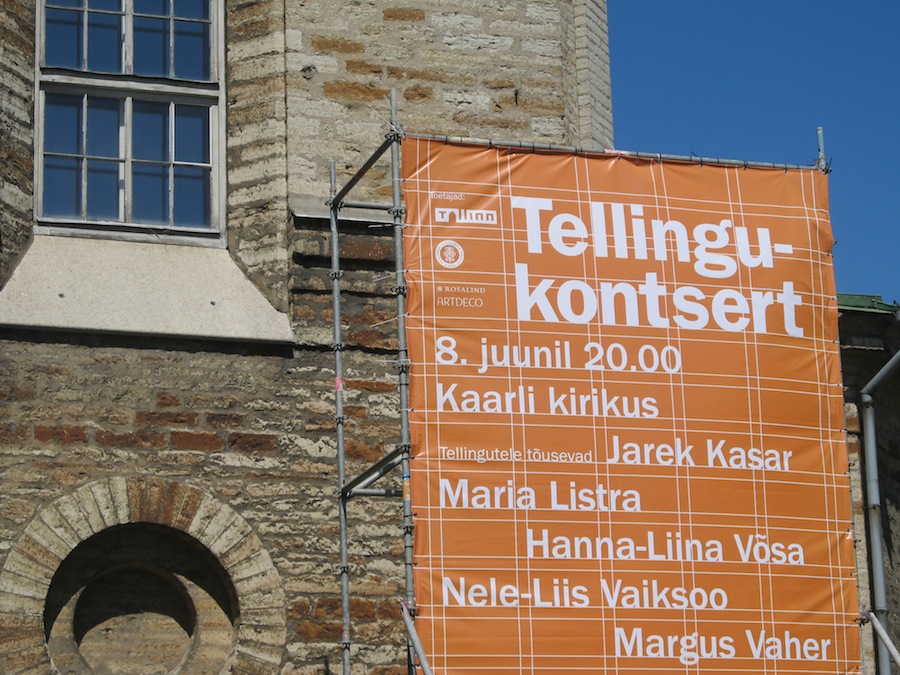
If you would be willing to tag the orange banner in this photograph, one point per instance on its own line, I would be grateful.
(626, 415)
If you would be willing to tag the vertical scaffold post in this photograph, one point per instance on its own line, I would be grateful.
(338, 347)
(398, 213)
(874, 507)
(821, 163)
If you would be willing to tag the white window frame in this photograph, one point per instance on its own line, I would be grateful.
(128, 87)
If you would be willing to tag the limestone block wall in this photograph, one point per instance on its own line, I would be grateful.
(309, 82)
(175, 501)
(38, 599)
(258, 218)
(16, 124)
(533, 71)
(233, 447)
(868, 340)
(228, 451)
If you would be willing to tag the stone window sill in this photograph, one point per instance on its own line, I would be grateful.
(108, 286)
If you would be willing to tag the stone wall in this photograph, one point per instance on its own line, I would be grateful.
(231, 444)
(185, 491)
(868, 339)
(16, 124)
(310, 82)
(159, 430)
(534, 71)
(259, 226)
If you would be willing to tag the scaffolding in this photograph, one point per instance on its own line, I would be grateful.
(360, 486)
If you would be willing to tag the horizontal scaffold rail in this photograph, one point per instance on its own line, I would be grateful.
(661, 157)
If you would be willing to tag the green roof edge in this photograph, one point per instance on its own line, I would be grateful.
(866, 303)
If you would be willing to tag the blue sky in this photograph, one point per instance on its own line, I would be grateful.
(753, 80)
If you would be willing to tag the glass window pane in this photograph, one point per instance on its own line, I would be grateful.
(106, 5)
(65, 3)
(192, 9)
(151, 131)
(192, 197)
(63, 41)
(103, 190)
(191, 134)
(62, 187)
(104, 43)
(151, 46)
(62, 124)
(191, 50)
(150, 201)
(103, 125)
(156, 7)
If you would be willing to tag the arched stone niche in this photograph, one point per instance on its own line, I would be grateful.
(144, 576)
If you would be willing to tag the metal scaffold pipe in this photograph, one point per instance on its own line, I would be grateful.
(400, 456)
(873, 504)
(821, 163)
(885, 638)
(660, 157)
(339, 421)
(403, 364)
(414, 638)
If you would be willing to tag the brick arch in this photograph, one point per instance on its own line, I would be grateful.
(63, 524)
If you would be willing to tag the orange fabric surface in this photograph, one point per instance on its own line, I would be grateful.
(626, 416)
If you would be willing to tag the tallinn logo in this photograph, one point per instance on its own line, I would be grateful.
(465, 216)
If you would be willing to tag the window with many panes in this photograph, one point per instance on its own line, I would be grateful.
(129, 110)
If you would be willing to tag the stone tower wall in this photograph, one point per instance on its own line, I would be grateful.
(868, 340)
(309, 83)
(134, 463)
(16, 130)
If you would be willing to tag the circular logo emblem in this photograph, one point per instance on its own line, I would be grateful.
(449, 254)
